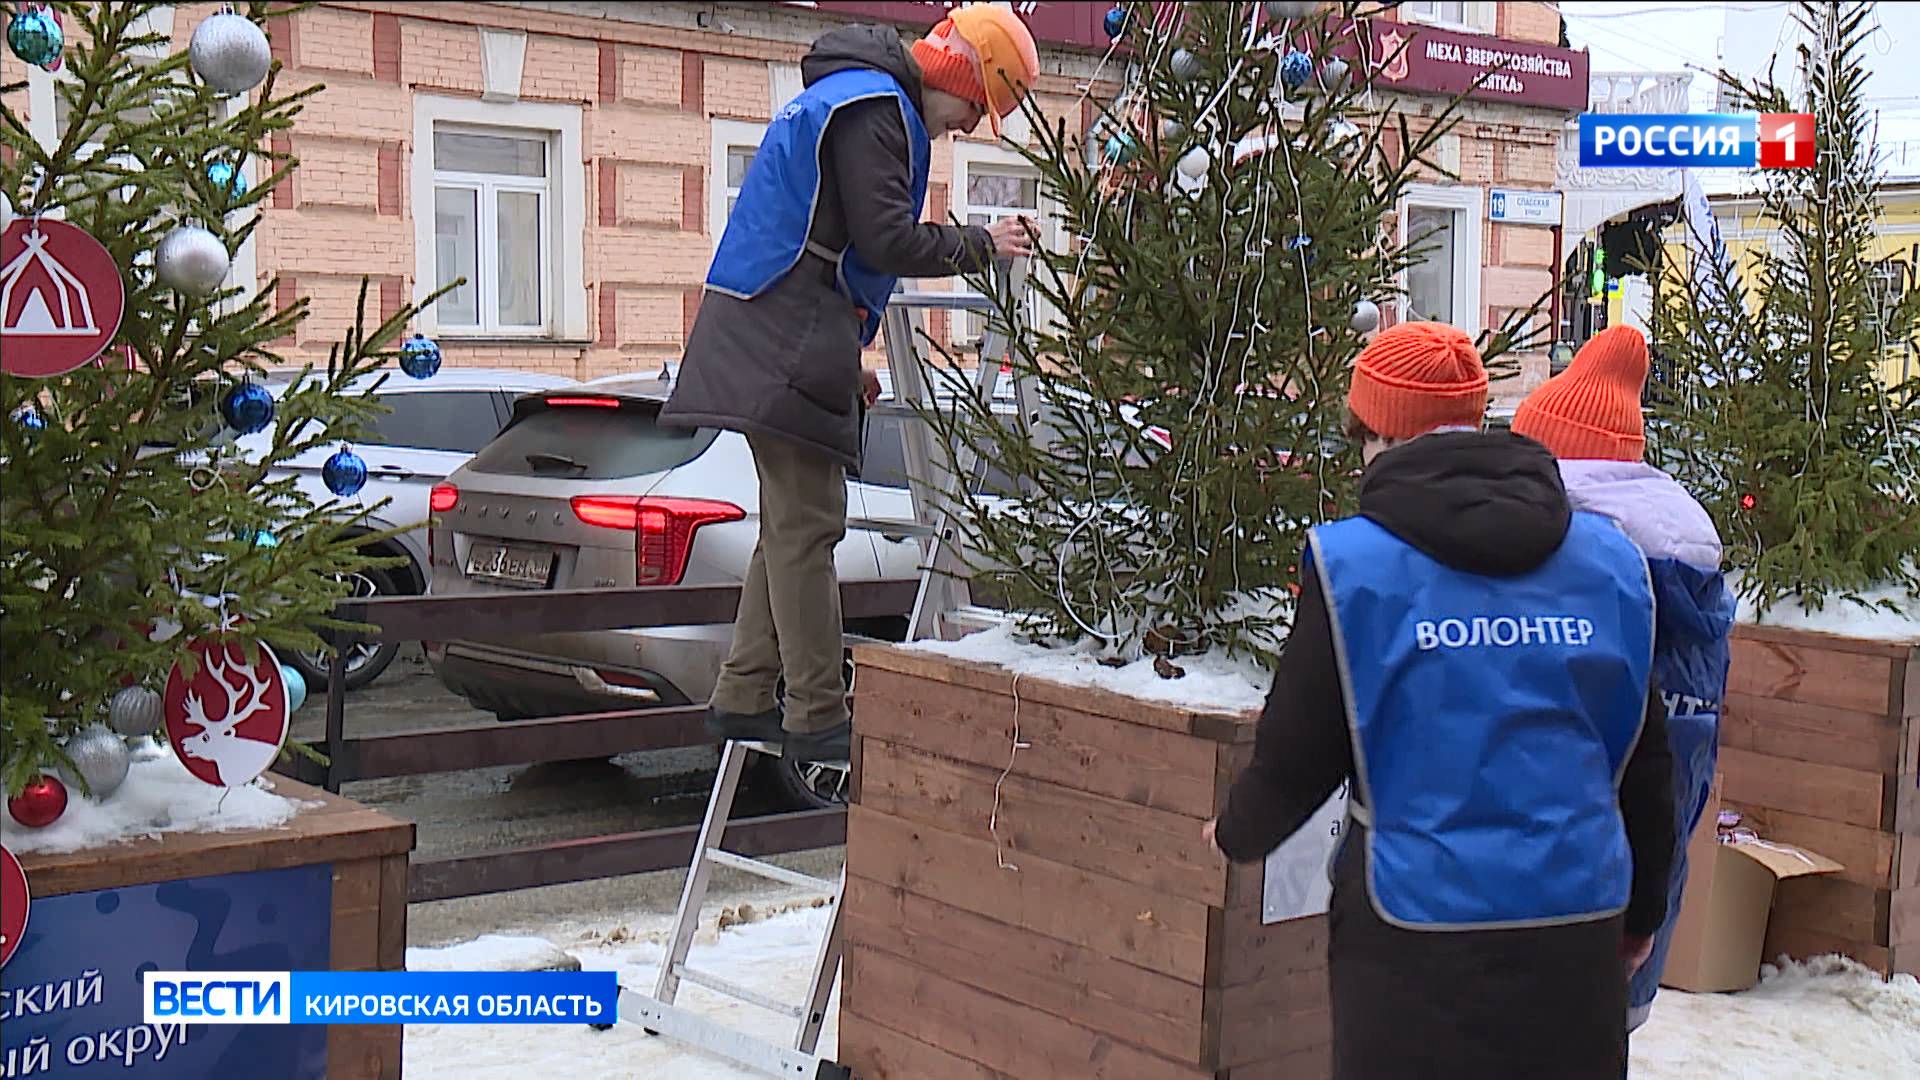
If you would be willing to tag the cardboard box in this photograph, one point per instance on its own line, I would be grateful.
(1722, 928)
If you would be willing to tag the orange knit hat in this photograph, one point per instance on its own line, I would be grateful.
(1418, 376)
(1592, 410)
(981, 53)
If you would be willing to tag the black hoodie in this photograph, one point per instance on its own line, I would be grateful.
(866, 155)
(1536, 1002)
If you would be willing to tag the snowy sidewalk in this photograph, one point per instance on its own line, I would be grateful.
(1829, 1018)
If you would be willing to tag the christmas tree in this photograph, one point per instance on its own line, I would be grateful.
(1773, 415)
(131, 522)
(1233, 242)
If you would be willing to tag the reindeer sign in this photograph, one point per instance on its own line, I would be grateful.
(227, 723)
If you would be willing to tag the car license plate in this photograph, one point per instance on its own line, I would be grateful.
(525, 568)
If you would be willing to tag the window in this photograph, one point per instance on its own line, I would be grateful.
(1440, 226)
(1478, 17)
(734, 145)
(489, 214)
(462, 421)
(499, 196)
(993, 184)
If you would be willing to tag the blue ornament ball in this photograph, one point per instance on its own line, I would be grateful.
(1116, 22)
(29, 417)
(296, 687)
(265, 539)
(1121, 148)
(228, 178)
(247, 408)
(345, 473)
(35, 36)
(1296, 69)
(420, 357)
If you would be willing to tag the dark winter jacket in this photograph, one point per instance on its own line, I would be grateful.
(744, 356)
(1691, 651)
(1545, 1002)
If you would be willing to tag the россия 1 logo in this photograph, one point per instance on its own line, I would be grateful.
(1696, 140)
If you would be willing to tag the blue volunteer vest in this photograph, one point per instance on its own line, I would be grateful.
(768, 231)
(1491, 721)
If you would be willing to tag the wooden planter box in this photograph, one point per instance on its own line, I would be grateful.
(325, 891)
(1820, 747)
(1116, 944)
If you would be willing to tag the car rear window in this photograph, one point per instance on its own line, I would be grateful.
(587, 442)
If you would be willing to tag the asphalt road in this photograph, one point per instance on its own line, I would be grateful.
(483, 809)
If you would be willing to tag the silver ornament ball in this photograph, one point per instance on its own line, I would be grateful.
(1333, 75)
(1194, 163)
(1366, 316)
(6, 211)
(1172, 130)
(101, 759)
(191, 260)
(1185, 66)
(230, 53)
(135, 710)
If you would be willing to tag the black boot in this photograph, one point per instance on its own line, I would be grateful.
(834, 744)
(761, 727)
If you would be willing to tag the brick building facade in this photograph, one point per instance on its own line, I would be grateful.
(575, 162)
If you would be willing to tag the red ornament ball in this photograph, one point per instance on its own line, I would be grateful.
(40, 803)
(1748, 502)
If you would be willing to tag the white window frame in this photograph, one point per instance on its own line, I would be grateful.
(564, 222)
(727, 134)
(1476, 17)
(1469, 202)
(43, 123)
(1000, 160)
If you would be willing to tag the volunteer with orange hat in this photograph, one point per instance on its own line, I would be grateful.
(1474, 656)
(827, 218)
(1589, 416)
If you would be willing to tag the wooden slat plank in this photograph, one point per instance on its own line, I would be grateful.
(1275, 1017)
(1805, 944)
(393, 913)
(1217, 726)
(1155, 848)
(1313, 1063)
(1064, 746)
(1826, 905)
(1811, 673)
(1824, 791)
(355, 945)
(1246, 950)
(1906, 861)
(1903, 917)
(1905, 959)
(1865, 855)
(876, 1052)
(1115, 918)
(356, 884)
(1896, 650)
(1145, 1008)
(1817, 733)
(363, 1052)
(991, 1030)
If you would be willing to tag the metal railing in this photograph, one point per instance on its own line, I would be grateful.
(504, 617)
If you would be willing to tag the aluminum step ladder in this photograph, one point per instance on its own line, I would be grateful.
(942, 593)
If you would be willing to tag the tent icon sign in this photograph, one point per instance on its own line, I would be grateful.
(61, 297)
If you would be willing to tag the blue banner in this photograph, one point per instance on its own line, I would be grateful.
(1669, 140)
(382, 997)
(71, 1000)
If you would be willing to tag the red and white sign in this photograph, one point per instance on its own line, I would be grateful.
(14, 901)
(61, 298)
(227, 723)
(1786, 140)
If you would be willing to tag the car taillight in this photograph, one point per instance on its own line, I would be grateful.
(443, 498)
(584, 402)
(663, 529)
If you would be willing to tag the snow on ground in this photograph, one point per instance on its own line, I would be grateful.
(158, 796)
(494, 952)
(774, 955)
(1212, 682)
(1846, 617)
(1827, 1018)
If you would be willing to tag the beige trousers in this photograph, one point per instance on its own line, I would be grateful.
(789, 619)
